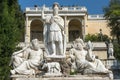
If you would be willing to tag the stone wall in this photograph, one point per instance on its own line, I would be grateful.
(94, 26)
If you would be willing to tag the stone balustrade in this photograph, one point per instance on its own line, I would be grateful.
(96, 17)
(111, 63)
(95, 44)
(78, 8)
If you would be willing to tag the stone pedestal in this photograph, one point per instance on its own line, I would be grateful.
(53, 65)
(73, 77)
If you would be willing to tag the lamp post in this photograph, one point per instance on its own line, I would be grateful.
(101, 35)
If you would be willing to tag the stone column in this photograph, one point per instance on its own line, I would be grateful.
(66, 27)
(27, 31)
(84, 23)
(83, 28)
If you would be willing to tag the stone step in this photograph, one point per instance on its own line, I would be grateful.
(78, 77)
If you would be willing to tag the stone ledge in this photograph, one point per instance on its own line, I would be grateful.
(61, 78)
(74, 77)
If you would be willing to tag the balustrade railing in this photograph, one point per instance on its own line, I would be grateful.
(111, 63)
(96, 17)
(61, 8)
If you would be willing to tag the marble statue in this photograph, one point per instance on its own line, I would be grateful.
(32, 61)
(53, 68)
(85, 60)
(80, 40)
(110, 50)
(89, 45)
(18, 57)
(54, 34)
(90, 55)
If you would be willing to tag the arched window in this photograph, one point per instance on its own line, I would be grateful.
(75, 29)
(36, 30)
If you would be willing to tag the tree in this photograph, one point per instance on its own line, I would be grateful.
(112, 14)
(11, 26)
(117, 51)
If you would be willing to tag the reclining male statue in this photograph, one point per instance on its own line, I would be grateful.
(32, 61)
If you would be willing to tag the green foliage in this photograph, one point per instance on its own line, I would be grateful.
(90, 37)
(73, 72)
(11, 27)
(112, 14)
(117, 51)
(96, 37)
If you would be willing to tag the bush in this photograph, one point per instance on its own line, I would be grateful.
(91, 37)
(96, 38)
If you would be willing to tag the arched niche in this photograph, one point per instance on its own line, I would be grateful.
(75, 29)
(36, 29)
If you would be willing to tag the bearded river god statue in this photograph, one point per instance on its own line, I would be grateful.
(30, 64)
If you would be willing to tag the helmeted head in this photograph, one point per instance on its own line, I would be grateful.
(55, 8)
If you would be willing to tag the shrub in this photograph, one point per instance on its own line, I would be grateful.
(96, 37)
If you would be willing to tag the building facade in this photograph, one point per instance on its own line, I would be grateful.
(77, 23)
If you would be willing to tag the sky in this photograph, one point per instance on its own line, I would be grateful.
(93, 6)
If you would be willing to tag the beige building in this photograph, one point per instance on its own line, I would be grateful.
(78, 23)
